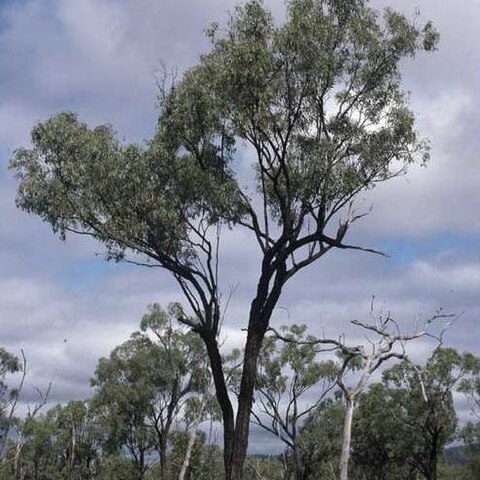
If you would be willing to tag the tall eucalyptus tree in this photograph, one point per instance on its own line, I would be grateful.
(318, 99)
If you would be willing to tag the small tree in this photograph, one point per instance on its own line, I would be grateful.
(287, 372)
(426, 395)
(319, 101)
(320, 440)
(9, 364)
(147, 382)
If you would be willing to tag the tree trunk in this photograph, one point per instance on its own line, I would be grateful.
(347, 436)
(245, 400)
(223, 400)
(193, 436)
(163, 458)
(188, 454)
(236, 430)
(432, 474)
(260, 313)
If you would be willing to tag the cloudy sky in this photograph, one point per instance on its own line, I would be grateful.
(66, 307)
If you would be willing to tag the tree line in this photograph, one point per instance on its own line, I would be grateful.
(153, 414)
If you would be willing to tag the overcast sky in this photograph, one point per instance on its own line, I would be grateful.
(66, 307)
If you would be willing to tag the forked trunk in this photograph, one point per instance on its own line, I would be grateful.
(236, 430)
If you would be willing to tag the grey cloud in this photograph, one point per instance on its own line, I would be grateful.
(442, 197)
(98, 58)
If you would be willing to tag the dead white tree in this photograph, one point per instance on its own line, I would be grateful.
(32, 412)
(388, 343)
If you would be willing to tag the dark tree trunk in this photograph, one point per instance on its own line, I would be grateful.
(223, 400)
(260, 313)
(433, 460)
(236, 430)
(247, 386)
(163, 458)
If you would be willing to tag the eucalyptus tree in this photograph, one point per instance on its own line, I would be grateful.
(318, 99)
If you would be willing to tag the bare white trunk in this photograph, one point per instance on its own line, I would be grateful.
(193, 435)
(16, 460)
(188, 453)
(72, 458)
(347, 436)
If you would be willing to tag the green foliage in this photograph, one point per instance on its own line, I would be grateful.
(319, 101)
(116, 467)
(128, 197)
(321, 91)
(146, 383)
(320, 441)
(425, 393)
(382, 442)
(9, 364)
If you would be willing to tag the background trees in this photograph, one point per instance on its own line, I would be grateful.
(9, 364)
(319, 101)
(146, 383)
(426, 393)
(288, 373)
(320, 440)
(400, 429)
(381, 444)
